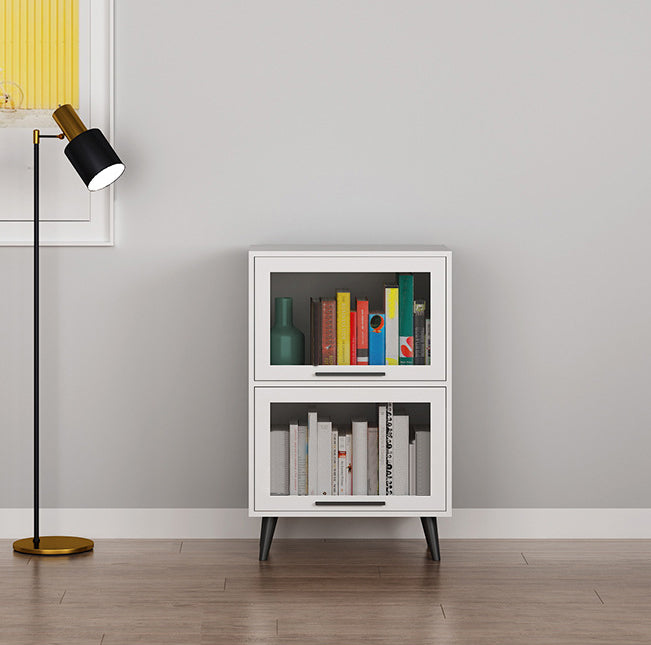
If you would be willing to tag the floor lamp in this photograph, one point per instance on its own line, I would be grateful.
(98, 166)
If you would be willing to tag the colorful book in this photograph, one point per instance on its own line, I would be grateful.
(362, 331)
(400, 468)
(389, 450)
(293, 457)
(312, 453)
(420, 307)
(302, 460)
(406, 318)
(279, 460)
(372, 461)
(428, 342)
(360, 459)
(334, 462)
(315, 331)
(376, 339)
(342, 463)
(328, 331)
(353, 338)
(391, 313)
(343, 327)
(423, 436)
(349, 463)
(324, 441)
(382, 450)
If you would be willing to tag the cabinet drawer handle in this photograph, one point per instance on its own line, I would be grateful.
(351, 503)
(347, 374)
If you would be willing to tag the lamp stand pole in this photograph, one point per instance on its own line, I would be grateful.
(51, 544)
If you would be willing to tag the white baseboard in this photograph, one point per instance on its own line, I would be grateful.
(465, 523)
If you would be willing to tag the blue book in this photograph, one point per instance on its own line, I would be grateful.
(376, 333)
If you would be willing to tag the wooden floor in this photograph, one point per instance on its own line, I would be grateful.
(334, 591)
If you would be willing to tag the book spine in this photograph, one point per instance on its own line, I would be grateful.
(324, 431)
(428, 341)
(343, 327)
(349, 463)
(328, 331)
(362, 331)
(382, 450)
(422, 460)
(334, 462)
(353, 338)
(372, 461)
(389, 450)
(279, 460)
(412, 467)
(376, 339)
(293, 457)
(391, 312)
(312, 453)
(315, 331)
(360, 459)
(406, 318)
(419, 332)
(302, 460)
(400, 454)
(341, 465)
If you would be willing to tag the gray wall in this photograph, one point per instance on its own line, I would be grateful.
(517, 133)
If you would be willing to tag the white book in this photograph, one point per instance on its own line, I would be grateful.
(400, 468)
(334, 462)
(341, 465)
(312, 453)
(293, 457)
(382, 450)
(390, 450)
(302, 460)
(324, 440)
(360, 459)
(279, 460)
(372, 462)
(349, 463)
(412, 467)
(422, 460)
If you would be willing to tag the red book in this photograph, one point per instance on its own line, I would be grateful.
(353, 338)
(328, 331)
(362, 331)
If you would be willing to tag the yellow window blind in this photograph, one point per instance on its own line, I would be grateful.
(39, 51)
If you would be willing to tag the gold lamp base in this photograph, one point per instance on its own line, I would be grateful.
(54, 545)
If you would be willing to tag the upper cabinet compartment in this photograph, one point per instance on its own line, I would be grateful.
(398, 330)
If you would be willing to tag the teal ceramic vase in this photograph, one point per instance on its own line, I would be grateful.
(287, 342)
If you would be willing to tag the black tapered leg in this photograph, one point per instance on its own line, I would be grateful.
(432, 537)
(266, 536)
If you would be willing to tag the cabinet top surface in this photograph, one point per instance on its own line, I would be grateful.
(347, 248)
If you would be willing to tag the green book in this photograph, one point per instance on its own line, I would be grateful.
(406, 318)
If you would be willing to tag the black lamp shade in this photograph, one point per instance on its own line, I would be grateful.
(94, 159)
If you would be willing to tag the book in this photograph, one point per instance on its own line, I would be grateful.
(406, 318)
(422, 434)
(372, 461)
(376, 339)
(391, 311)
(382, 450)
(302, 460)
(315, 331)
(362, 331)
(324, 440)
(353, 338)
(343, 327)
(419, 331)
(349, 463)
(328, 331)
(412, 467)
(341, 465)
(428, 342)
(360, 459)
(312, 453)
(334, 462)
(389, 450)
(293, 457)
(400, 468)
(279, 460)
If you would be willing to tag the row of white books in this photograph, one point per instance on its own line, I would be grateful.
(317, 458)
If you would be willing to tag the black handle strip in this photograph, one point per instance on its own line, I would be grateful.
(350, 374)
(351, 503)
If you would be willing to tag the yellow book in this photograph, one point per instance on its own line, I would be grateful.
(391, 299)
(343, 327)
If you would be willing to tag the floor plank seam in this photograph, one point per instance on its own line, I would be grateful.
(525, 559)
(598, 596)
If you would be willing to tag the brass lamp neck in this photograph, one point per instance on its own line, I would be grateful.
(69, 122)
